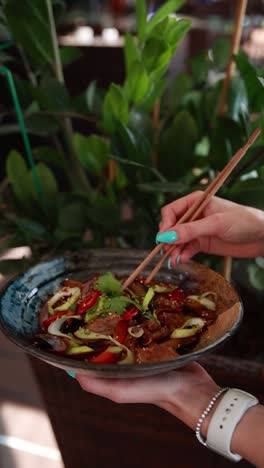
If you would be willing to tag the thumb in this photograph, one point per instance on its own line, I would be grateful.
(182, 233)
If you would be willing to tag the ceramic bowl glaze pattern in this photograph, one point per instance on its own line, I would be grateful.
(21, 300)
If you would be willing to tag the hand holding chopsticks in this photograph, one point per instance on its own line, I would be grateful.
(194, 211)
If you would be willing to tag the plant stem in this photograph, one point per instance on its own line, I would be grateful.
(56, 52)
(70, 114)
(67, 114)
(76, 173)
(236, 39)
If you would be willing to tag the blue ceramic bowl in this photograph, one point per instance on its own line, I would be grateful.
(21, 300)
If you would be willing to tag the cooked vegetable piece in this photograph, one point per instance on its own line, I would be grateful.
(78, 350)
(54, 327)
(109, 356)
(88, 302)
(97, 322)
(71, 293)
(190, 328)
(121, 331)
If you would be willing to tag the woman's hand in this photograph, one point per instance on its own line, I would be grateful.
(185, 393)
(224, 228)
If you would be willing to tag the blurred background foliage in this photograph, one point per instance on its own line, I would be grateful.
(150, 140)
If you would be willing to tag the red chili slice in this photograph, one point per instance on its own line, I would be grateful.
(88, 302)
(176, 295)
(121, 331)
(46, 323)
(106, 357)
(130, 313)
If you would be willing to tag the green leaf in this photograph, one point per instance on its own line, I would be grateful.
(32, 229)
(52, 95)
(115, 108)
(108, 284)
(200, 65)
(256, 276)
(50, 156)
(237, 99)
(172, 30)
(92, 152)
(155, 54)
(141, 11)
(253, 85)
(42, 125)
(93, 98)
(69, 55)
(177, 145)
(226, 138)
(169, 7)
(137, 83)
(120, 181)
(50, 191)
(220, 51)
(210, 103)
(181, 85)
(155, 91)
(24, 91)
(29, 24)
(177, 32)
(131, 52)
(248, 192)
(132, 145)
(103, 214)
(19, 178)
(72, 218)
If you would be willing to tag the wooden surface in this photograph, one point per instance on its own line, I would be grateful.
(92, 431)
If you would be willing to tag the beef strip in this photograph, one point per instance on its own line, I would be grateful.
(158, 352)
(162, 302)
(196, 309)
(70, 283)
(105, 325)
(172, 320)
(138, 288)
(130, 343)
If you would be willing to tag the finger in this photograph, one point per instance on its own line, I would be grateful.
(127, 391)
(172, 212)
(191, 249)
(175, 257)
(213, 225)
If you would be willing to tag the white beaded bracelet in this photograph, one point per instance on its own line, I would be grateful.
(205, 413)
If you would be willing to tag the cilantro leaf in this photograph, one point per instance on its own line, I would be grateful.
(109, 285)
(116, 305)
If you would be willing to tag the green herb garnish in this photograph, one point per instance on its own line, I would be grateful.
(109, 285)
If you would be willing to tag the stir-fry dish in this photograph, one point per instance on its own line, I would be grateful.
(99, 323)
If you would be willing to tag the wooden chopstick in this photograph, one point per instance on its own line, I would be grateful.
(210, 192)
(193, 212)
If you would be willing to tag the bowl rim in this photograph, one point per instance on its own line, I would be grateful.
(68, 363)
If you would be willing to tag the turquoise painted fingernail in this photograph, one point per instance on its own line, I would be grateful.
(178, 259)
(71, 373)
(161, 252)
(169, 263)
(167, 236)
